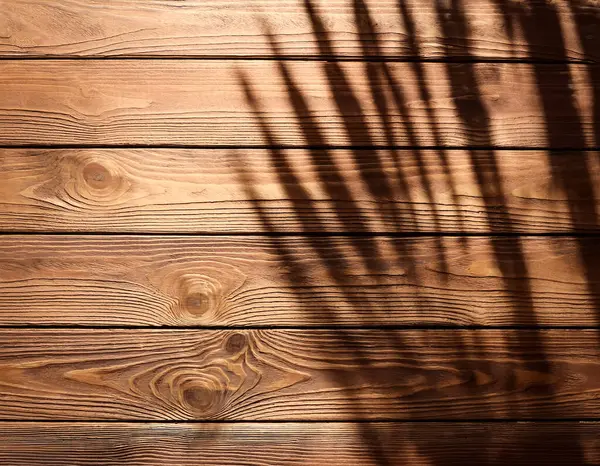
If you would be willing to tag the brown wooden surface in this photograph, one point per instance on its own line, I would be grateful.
(249, 103)
(368, 28)
(298, 191)
(254, 329)
(298, 281)
(298, 374)
(266, 444)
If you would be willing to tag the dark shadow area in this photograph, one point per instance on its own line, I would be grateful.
(540, 23)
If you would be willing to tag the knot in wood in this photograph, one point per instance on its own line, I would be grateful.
(235, 343)
(197, 303)
(97, 176)
(199, 398)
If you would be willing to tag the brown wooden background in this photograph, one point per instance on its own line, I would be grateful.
(268, 232)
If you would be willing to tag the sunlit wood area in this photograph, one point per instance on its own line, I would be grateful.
(299, 232)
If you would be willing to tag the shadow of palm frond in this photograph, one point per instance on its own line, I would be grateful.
(390, 186)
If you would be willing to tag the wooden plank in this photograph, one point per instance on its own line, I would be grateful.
(367, 28)
(298, 374)
(275, 444)
(298, 191)
(293, 281)
(249, 103)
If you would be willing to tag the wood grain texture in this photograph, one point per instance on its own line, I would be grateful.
(298, 191)
(298, 374)
(249, 103)
(369, 28)
(294, 281)
(369, 444)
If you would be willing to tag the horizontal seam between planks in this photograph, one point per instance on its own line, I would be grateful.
(300, 147)
(355, 234)
(302, 421)
(403, 327)
(310, 58)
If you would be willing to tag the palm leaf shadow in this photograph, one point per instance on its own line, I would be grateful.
(385, 187)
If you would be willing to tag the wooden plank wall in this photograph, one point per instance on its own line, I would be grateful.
(350, 232)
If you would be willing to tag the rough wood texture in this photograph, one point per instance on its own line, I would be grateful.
(367, 28)
(297, 281)
(299, 191)
(369, 444)
(298, 374)
(250, 103)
